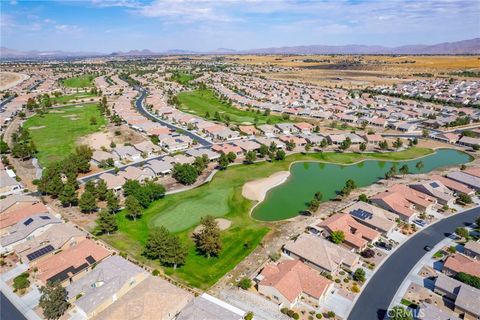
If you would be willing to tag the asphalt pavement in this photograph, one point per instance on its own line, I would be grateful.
(8, 310)
(382, 287)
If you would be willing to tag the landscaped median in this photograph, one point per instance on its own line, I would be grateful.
(222, 197)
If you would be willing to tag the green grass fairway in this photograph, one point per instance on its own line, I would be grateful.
(77, 96)
(181, 212)
(55, 134)
(199, 102)
(79, 82)
(182, 77)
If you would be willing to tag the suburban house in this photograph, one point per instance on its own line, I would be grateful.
(472, 249)
(147, 148)
(58, 237)
(373, 217)
(288, 281)
(248, 130)
(25, 229)
(304, 127)
(127, 153)
(465, 297)
(100, 156)
(227, 148)
(158, 167)
(102, 286)
(465, 178)
(404, 201)
(247, 145)
(456, 187)
(357, 235)
(212, 156)
(269, 130)
(71, 263)
(461, 263)
(211, 308)
(114, 182)
(436, 189)
(16, 201)
(150, 299)
(135, 173)
(320, 254)
(19, 212)
(9, 185)
(268, 142)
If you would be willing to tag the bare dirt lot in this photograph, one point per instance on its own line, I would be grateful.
(11, 79)
(116, 134)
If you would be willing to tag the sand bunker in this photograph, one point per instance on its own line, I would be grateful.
(97, 140)
(257, 189)
(223, 224)
(36, 127)
(57, 111)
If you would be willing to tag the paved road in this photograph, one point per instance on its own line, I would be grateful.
(140, 107)
(380, 290)
(8, 310)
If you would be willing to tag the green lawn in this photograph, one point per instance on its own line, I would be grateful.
(80, 81)
(199, 102)
(181, 212)
(76, 96)
(56, 132)
(182, 77)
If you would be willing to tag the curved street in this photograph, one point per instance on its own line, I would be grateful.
(382, 287)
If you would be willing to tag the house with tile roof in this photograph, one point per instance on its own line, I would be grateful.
(289, 281)
(357, 235)
(320, 254)
(373, 217)
(455, 186)
(461, 263)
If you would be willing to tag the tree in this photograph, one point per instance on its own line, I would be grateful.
(323, 144)
(346, 144)
(337, 237)
(112, 202)
(231, 157)
(133, 207)
(273, 147)
(87, 202)
(245, 283)
(469, 279)
(363, 197)
(397, 144)
(68, 196)
(165, 247)
(263, 151)
(101, 190)
(404, 169)
(250, 157)
(106, 222)
(313, 205)
(176, 252)
(425, 133)
(201, 163)
(465, 198)
(3, 147)
(363, 146)
(318, 195)
(383, 145)
(290, 145)
(419, 165)
(349, 186)
(208, 239)
(90, 187)
(359, 275)
(462, 232)
(185, 173)
(280, 155)
(53, 300)
(223, 161)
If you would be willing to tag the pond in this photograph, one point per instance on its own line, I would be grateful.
(290, 198)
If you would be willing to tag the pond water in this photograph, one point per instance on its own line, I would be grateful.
(290, 198)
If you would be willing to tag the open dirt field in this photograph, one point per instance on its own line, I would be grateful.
(257, 189)
(101, 139)
(359, 70)
(10, 79)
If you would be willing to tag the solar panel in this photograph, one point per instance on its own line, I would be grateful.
(434, 185)
(28, 221)
(361, 214)
(90, 259)
(40, 252)
(45, 217)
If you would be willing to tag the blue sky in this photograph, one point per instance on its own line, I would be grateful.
(107, 26)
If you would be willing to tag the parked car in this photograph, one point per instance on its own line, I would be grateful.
(383, 245)
(420, 222)
(427, 248)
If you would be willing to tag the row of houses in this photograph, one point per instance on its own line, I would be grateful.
(100, 283)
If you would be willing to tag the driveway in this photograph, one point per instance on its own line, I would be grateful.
(381, 289)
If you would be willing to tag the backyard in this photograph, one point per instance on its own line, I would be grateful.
(222, 197)
(79, 82)
(201, 102)
(56, 132)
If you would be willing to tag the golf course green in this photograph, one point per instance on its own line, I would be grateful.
(288, 199)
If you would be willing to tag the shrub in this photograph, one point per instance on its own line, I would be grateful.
(319, 316)
(21, 281)
(245, 283)
(296, 316)
(331, 314)
(156, 273)
(337, 280)
(284, 310)
(249, 316)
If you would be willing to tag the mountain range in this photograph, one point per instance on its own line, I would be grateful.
(471, 46)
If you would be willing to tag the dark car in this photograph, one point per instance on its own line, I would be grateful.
(427, 248)
(383, 245)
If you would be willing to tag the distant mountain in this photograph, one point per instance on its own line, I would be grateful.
(12, 53)
(459, 47)
(471, 46)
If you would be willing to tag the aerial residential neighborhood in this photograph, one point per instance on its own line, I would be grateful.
(281, 179)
